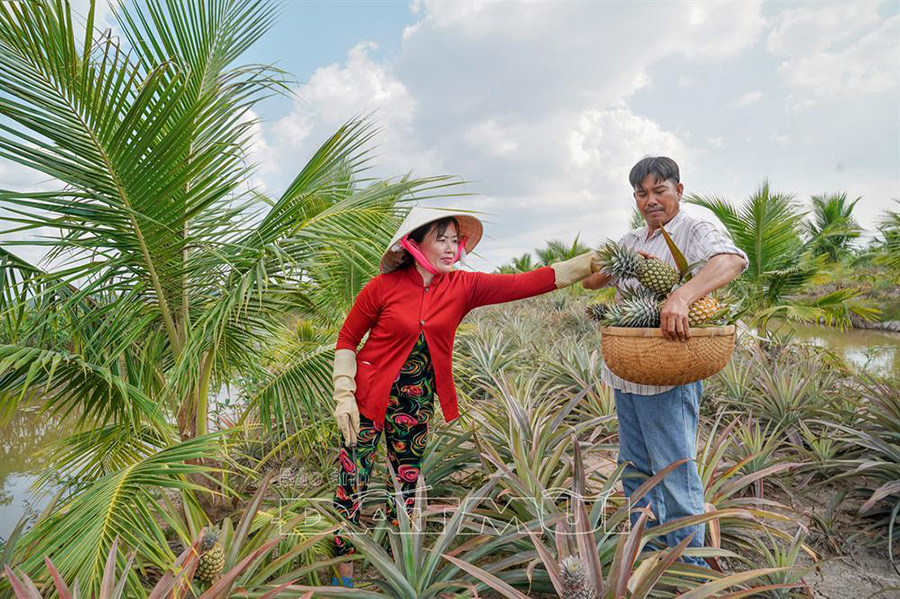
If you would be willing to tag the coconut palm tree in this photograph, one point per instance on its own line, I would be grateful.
(768, 226)
(831, 228)
(170, 275)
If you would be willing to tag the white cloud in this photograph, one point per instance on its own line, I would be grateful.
(490, 137)
(814, 27)
(749, 98)
(833, 49)
(611, 141)
(531, 102)
(337, 93)
(715, 142)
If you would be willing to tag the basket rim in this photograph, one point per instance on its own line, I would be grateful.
(724, 331)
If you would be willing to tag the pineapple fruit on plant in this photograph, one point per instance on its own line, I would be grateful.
(212, 557)
(576, 583)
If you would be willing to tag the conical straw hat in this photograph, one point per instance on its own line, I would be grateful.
(469, 227)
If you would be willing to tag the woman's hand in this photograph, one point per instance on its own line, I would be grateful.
(345, 410)
(347, 415)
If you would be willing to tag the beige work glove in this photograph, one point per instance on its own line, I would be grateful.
(575, 269)
(345, 411)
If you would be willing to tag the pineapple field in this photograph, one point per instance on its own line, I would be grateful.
(797, 452)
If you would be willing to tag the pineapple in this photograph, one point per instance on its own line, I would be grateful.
(639, 311)
(212, 557)
(702, 310)
(597, 310)
(657, 276)
(619, 261)
(613, 315)
(576, 584)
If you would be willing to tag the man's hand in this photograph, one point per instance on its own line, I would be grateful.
(673, 318)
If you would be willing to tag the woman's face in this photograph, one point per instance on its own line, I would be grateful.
(440, 248)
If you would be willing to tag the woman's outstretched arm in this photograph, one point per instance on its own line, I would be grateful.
(486, 288)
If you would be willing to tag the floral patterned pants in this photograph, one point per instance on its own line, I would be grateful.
(410, 407)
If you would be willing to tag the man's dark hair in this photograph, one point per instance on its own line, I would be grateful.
(662, 168)
(439, 226)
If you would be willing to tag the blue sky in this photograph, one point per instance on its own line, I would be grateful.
(545, 106)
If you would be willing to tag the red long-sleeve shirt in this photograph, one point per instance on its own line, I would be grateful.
(396, 307)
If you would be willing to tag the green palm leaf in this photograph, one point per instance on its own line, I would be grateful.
(769, 227)
(79, 535)
(72, 385)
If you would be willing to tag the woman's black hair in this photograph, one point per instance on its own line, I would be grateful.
(419, 234)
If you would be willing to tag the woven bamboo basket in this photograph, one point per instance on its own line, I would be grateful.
(645, 356)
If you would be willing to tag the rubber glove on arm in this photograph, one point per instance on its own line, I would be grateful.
(575, 269)
(345, 411)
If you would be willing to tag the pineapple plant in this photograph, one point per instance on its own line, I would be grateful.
(212, 557)
(703, 310)
(657, 276)
(619, 261)
(576, 584)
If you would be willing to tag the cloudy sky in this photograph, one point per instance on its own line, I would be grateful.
(544, 107)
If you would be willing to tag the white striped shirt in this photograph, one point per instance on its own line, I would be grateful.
(699, 241)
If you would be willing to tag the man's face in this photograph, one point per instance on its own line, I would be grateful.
(658, 201)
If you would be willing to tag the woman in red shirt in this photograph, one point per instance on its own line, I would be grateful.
(411, 312)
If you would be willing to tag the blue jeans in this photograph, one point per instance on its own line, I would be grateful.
(654, 431)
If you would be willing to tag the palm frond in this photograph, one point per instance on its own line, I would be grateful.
(79, 534)
(72, 385)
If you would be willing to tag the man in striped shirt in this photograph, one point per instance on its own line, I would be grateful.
(658, 425)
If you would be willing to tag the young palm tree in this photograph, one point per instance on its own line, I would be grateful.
(887, 246)
(637, 219)
(171, 276)
(832, 228)
(768, 226)
(523, 263)
(556, 250)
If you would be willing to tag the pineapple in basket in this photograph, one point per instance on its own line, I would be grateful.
(596, 310)
(657, 276)
(636, 311)
(703, 310)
